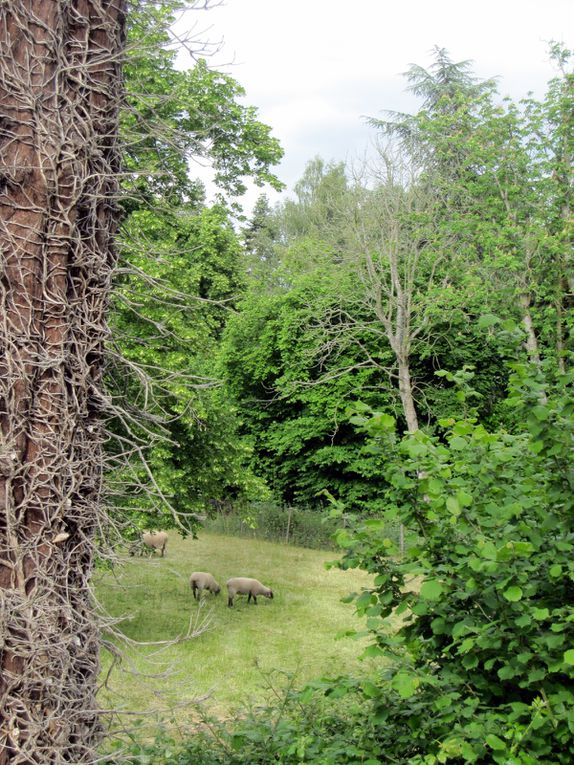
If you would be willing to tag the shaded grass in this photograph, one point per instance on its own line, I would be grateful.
(295, 632)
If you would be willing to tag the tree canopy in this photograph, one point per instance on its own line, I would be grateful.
(181, 274)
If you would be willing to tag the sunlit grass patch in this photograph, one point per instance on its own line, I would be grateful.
(295, 632)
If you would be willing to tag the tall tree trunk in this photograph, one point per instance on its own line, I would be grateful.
(531, 339)
(528, 324)
(406, 394)
(560, 333)
(59, 97)
(407, 400)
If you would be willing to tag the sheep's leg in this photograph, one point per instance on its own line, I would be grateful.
(254, 599)
(194, 590)
(230, 601)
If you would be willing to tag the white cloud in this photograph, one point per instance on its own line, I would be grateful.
(314, 68)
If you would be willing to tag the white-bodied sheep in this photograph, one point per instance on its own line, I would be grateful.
(200, 581)
(241, 585)
(157, 540)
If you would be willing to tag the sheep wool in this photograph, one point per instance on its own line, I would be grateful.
(157, 540)
(241, 585)
(202, 580)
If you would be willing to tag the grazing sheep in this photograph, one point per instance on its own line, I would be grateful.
(157, 540)
(200, 580)
(241, 585)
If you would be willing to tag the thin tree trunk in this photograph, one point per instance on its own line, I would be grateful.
(528, 324)
(59, 99)
(531, 339)
(560, 336)
(406, 394)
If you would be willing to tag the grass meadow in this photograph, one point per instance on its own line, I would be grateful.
(238, 650)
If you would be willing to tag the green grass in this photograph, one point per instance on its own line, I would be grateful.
(295, 632)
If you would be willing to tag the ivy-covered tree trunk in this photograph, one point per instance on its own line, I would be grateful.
(60, 73)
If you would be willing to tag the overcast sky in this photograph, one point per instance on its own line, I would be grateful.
(315, 68)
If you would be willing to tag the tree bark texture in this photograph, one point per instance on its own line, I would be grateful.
(528, 324)
(406, 394)
(60, 90)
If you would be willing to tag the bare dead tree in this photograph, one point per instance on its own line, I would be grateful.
(60, 91)
(397, 274)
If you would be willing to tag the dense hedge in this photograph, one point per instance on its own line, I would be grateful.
(291, 525)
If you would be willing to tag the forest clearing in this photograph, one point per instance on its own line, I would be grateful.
(227, 664)
(377, 368)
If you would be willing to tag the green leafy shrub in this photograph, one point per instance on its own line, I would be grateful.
(481, 669)
(316, 725)
(299, 526)
(483, 666)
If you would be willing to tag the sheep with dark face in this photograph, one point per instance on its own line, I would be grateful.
(156, 540)
(200, 581)
(241, 585)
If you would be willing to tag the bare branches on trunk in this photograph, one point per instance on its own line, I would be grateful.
(398, 278)
(59, 94)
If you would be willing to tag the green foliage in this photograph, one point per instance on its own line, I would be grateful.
(308, 345)
(292, 728)
(501, 168)
(169, 310)
(300, 526)
(261, 240)
(481, 225)
(440, 134)
(174, 117)
(175, 442)
(292, 405)
(483, 668)
(320, 209)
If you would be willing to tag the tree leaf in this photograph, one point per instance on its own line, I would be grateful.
(405, 684)
(487, 320)
(432, 589)
(494, 742)
(513, 594)
(452, 505)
